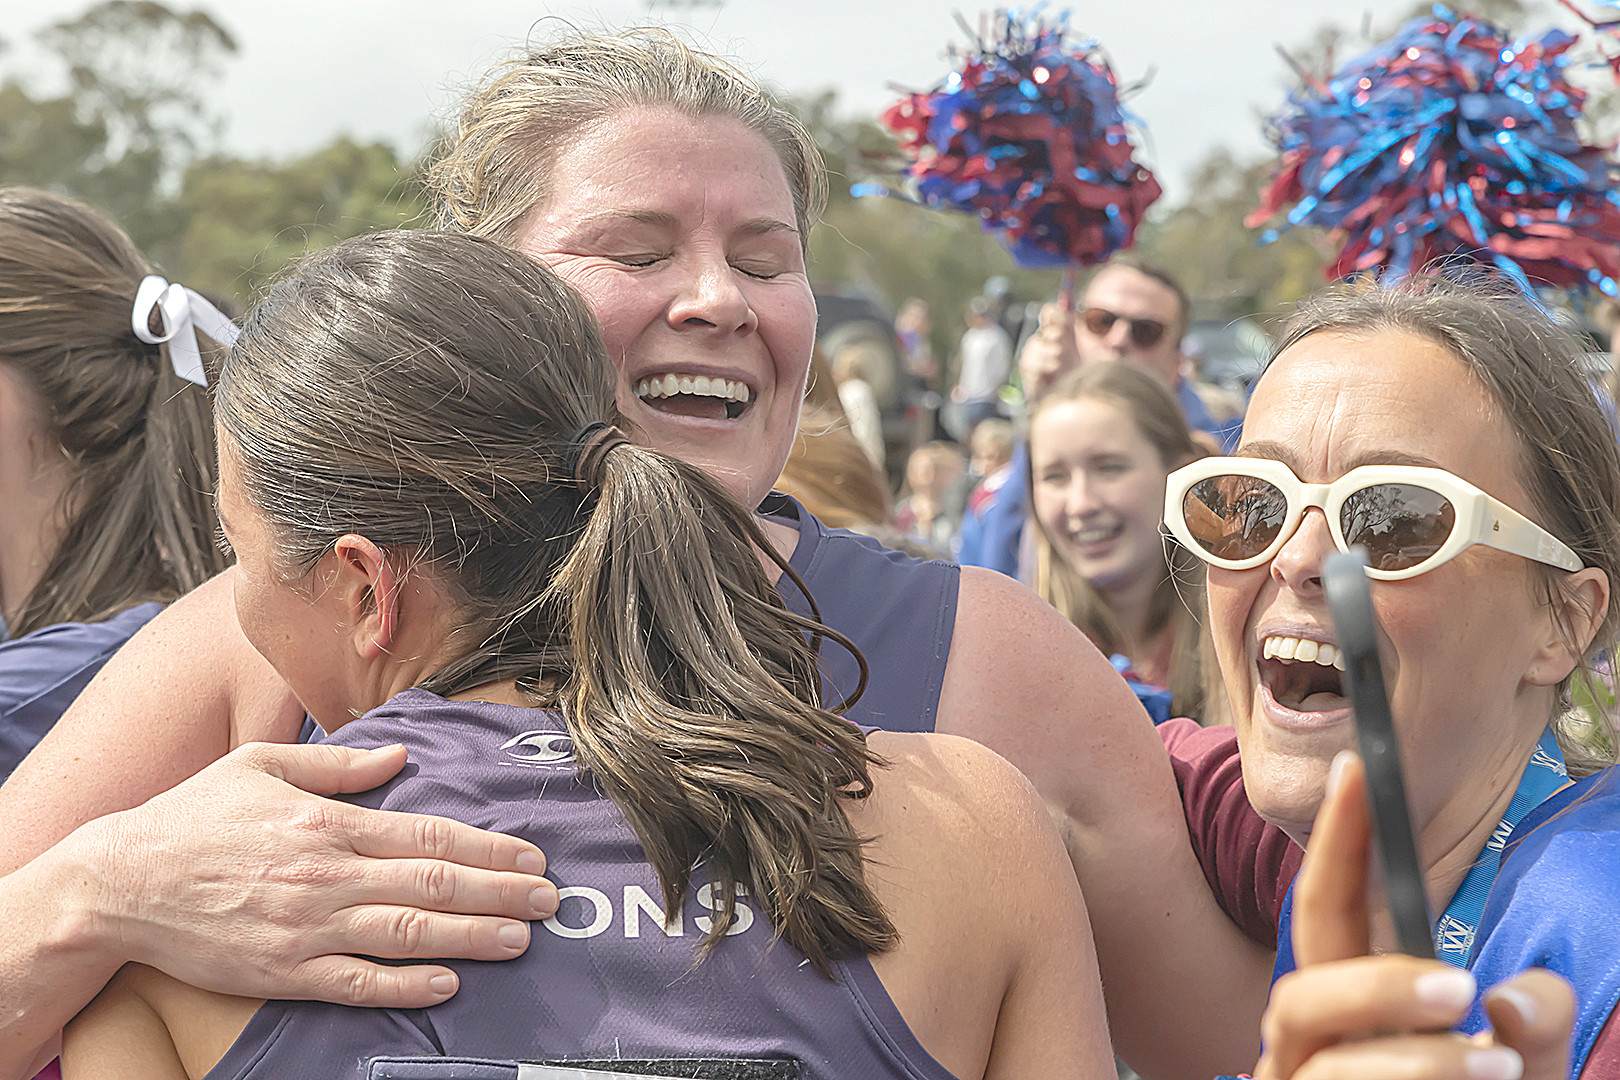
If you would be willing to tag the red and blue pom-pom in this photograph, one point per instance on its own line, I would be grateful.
(1029, 135)
(1451, 141)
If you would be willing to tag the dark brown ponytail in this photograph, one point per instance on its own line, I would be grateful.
(421, 389)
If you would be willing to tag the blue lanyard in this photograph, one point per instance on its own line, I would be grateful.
(1454, 933)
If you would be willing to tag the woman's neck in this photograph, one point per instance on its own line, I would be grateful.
(1450, 843)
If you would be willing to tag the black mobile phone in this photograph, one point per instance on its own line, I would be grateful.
(1344, 579)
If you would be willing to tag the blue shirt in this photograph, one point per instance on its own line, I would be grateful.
(41, 673)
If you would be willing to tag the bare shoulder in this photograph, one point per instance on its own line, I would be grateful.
(949, 801)
(197, 645)
(1025, 682)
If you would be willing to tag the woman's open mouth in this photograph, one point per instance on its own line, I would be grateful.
(1302, 675)
(697, 396)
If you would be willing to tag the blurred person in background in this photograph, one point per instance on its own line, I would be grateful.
(859, 402)
(829, 471)
(912, 326)
(990, 466)
(984, 362)
(924, 511)
(1101, 444)
(1136, 312)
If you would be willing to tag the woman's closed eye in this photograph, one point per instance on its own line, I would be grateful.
(758, 270)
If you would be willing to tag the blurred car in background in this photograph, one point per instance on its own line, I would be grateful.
(1229, 353)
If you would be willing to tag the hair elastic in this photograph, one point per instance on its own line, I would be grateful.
(587, 449)
(184, 314)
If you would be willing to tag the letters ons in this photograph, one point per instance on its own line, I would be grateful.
(595, 916)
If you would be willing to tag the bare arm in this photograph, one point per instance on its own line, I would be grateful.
(241, 881)
(180, 694)
(1024, 682)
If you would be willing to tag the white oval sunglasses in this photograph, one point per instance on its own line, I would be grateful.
(1237, 513)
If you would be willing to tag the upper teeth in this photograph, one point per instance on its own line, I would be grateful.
(656, 386)
(1093, 535)
(1292, 648)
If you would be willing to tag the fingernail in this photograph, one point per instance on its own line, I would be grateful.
(1497, 1063)
(1336, 771)
(531, 862)
(389, 749)
(543, 900)
(1521, 1001)
(513, 935)
(443, 984)
(1452, 989)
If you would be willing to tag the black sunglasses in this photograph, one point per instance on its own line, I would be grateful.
(1145, 333)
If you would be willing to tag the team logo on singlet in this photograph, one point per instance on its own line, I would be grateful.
(539, 750)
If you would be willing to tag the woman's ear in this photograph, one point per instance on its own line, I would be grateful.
(366, 585)
(1578, 605)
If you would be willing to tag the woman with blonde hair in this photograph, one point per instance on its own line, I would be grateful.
(1101, 443)
(577, 639)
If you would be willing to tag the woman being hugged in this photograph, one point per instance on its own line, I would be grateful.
(1101, 443)
(552, 617)
(106, 453)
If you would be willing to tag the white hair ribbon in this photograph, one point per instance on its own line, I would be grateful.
(183, 314)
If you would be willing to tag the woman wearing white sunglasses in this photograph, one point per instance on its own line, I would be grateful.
(1446, 430)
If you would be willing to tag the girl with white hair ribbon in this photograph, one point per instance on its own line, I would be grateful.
(106, 452)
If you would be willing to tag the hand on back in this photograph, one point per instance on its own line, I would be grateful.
(244, 880)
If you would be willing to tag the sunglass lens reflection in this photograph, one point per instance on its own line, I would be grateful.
(1234, 517)
(1400, 525)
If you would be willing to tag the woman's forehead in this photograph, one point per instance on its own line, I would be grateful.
(1335, 398)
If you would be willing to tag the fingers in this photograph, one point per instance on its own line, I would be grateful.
(1534, 1013)
(1313, 1008)
(407, 933)
(1413, 1057)
(435, 885)
(321, 769)
(387, 834)
(1330, 898)
(349, 980)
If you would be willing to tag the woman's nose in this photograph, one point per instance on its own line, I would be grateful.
(710, 296)
(1298, 565)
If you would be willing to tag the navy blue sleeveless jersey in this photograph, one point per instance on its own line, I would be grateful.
(41, 673)
(608, 978)
(900, 611)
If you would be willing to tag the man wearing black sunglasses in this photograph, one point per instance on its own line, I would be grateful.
(1138, 313)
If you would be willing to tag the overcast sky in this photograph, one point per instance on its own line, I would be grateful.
(379, 69)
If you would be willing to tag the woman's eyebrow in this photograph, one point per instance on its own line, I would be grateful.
(655, 218)
(763, 226)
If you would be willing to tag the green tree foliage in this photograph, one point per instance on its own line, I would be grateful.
(245, 220)
(134, 133)
(1219, 260)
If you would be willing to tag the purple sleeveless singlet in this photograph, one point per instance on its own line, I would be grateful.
(899, 610)
(602, 980)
